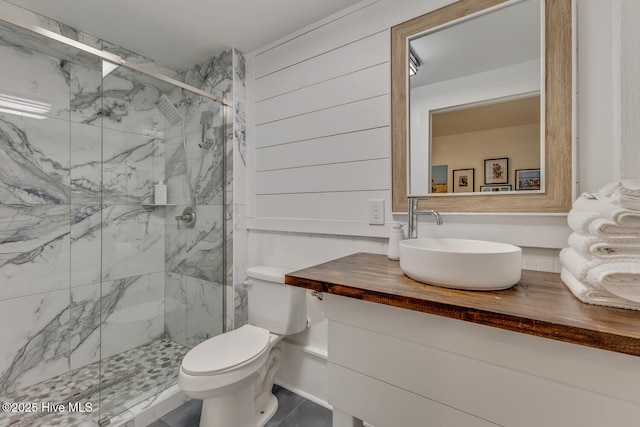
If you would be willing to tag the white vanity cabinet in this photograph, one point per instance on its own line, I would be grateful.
(393, 367)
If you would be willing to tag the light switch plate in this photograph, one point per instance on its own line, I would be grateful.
(376, 211)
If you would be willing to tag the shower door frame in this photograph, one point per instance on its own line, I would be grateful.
(110, 57)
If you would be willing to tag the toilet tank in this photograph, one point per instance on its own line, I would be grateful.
(279, 308)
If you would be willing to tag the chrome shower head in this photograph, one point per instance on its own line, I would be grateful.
(168, 110)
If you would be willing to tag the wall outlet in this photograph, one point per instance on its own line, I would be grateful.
(376, 211)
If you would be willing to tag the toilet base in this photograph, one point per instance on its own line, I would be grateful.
(229, 410)
(269, 410)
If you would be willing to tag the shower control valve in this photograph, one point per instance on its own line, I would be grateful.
(188, 217)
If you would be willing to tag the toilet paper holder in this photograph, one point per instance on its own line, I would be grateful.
(318, 295)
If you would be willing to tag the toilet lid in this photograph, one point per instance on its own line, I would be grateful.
(226, 350)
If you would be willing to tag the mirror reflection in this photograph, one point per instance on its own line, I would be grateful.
(475, 104)
(490, 144)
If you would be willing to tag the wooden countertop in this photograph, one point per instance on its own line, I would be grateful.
(539, 305)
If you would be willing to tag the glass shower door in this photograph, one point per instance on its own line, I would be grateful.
(162, 281)
(102, 293)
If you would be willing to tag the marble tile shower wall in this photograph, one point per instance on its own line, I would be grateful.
(49, 221)
(193, 257)
(225, 73)
(66, 248)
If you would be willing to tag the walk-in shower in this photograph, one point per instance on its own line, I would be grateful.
(101, 294)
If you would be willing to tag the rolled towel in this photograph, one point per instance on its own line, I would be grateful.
(592, 295)
(590, 246)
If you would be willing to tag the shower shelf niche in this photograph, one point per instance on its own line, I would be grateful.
(152, 206)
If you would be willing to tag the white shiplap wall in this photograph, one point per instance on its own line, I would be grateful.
(322, 116)
(319, 146)
(321, 137)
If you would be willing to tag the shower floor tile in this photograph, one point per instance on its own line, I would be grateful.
(127, 379)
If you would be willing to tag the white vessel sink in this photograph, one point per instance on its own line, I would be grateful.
(461, 263)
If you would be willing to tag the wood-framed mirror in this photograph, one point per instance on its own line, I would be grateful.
(556, 96)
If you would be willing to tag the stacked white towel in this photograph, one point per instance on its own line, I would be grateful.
(602, 263)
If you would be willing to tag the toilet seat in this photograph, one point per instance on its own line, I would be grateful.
(226, 351)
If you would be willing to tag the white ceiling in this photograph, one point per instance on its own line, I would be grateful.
(180, 33)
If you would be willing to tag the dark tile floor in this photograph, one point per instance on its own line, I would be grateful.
(293, 411)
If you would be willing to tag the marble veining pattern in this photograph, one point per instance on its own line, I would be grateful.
(34, 77)
(34, 249)
(35, 161)
(193, 309)
(210, 184)
(86, 164)
(196, 252)
(240, 115)
(213, 76)
(132, 242)
(84, 325)
(204, 311)
(86, 244)
(237, 238)
(175, 316)
(55, 335)
(86, 87)
(131, 165)
(132, 312)
(33, 344)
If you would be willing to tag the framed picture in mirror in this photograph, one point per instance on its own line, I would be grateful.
(494, 188)
(527, 179)
(496, 171)
(439, 174)
(464, 180)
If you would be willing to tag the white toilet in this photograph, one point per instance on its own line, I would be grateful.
(233, 373)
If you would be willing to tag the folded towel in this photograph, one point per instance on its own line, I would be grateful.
(625, 192)
(608, 208)
(589, 246)
(620, 277)
(610, 189)
(585, 222)
(590, 207)
(597, 269)
(593, 295)
(629, 202)
(576, 264)
(630, 187)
